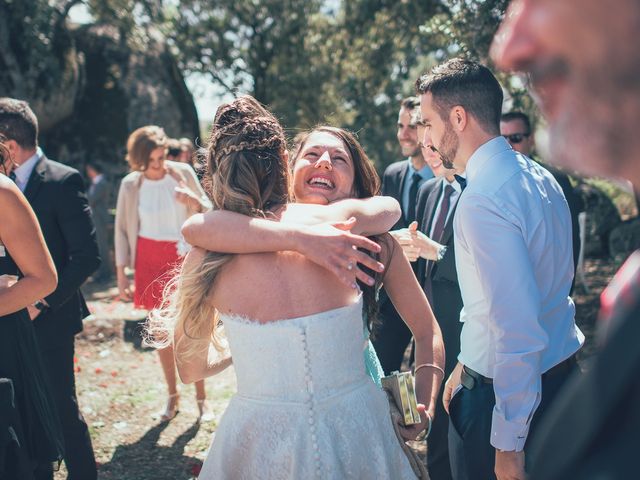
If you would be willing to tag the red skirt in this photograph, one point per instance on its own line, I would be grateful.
(156, 263)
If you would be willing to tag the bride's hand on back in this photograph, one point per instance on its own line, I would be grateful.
(334, 247)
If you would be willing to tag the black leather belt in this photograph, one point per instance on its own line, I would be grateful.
(470, 378)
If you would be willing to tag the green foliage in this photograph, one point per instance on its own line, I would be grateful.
(467, 27)
(624, 201)
(348, 63)
(33, 44)
(267, 48)
(374, 46)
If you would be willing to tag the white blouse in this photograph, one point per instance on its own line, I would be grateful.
(161, 215)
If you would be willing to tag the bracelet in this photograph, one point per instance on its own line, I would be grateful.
(432, 365)
(442, 249)
(425, 433)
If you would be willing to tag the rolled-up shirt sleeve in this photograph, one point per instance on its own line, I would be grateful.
(496, 242)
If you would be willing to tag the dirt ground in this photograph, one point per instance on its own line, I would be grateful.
(121, 390)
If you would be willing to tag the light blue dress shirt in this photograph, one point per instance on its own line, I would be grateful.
(425, 172)
(515, 267)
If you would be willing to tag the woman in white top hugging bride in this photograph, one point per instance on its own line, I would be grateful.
(153, 202)
(305, 407)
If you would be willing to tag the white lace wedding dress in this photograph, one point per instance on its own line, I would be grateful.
(305, 408)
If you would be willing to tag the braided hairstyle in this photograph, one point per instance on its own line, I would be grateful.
(247, 173)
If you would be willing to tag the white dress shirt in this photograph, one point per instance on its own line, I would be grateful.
(23, 172)
(515, 267)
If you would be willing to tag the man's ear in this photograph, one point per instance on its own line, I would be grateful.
(458, 118)
(12, 146)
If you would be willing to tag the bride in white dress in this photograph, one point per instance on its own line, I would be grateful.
(305, 407)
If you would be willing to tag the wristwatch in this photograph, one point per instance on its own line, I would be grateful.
(442, 249)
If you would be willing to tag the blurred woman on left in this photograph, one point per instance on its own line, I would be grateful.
(153, 202)
(30, 435)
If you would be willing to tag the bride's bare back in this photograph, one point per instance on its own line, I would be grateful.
(275, 286)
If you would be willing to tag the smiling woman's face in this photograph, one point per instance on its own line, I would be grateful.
(323, 171)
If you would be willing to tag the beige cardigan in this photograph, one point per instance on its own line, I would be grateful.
(127, 224)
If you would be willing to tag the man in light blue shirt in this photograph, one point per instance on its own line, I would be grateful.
(512, 233)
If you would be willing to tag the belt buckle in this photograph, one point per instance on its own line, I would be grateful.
(467, 380)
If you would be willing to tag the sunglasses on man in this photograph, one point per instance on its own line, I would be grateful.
(516, 137)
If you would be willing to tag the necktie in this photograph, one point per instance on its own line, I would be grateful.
(462, 181)
(445, 205)
(410, 215)
(438, 231)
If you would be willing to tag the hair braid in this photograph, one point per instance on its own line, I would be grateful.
(246, 173)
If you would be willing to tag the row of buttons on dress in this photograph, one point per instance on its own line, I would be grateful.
(312, 413)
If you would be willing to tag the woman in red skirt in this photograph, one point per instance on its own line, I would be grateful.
(153, 202)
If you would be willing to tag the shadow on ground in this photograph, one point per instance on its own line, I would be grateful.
(137, 460)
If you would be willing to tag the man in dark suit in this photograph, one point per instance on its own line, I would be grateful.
(56, 193)
(401, 180)
(99, 195)
(436, 205)
(591, 97)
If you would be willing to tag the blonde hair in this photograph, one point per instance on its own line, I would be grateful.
(141, 143)
(247, 173)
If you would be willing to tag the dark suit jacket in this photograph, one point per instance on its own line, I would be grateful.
(57, 195)
(393, 185)
(591, 432)
(447, 300)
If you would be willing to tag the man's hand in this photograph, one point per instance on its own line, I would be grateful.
(416, 244)
(408, 240)
(334, 247)
(451, 384)
(510, 465)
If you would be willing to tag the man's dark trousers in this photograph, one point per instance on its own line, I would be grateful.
(80, 462)
(472, 456)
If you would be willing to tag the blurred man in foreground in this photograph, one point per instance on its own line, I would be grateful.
(582, 58)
